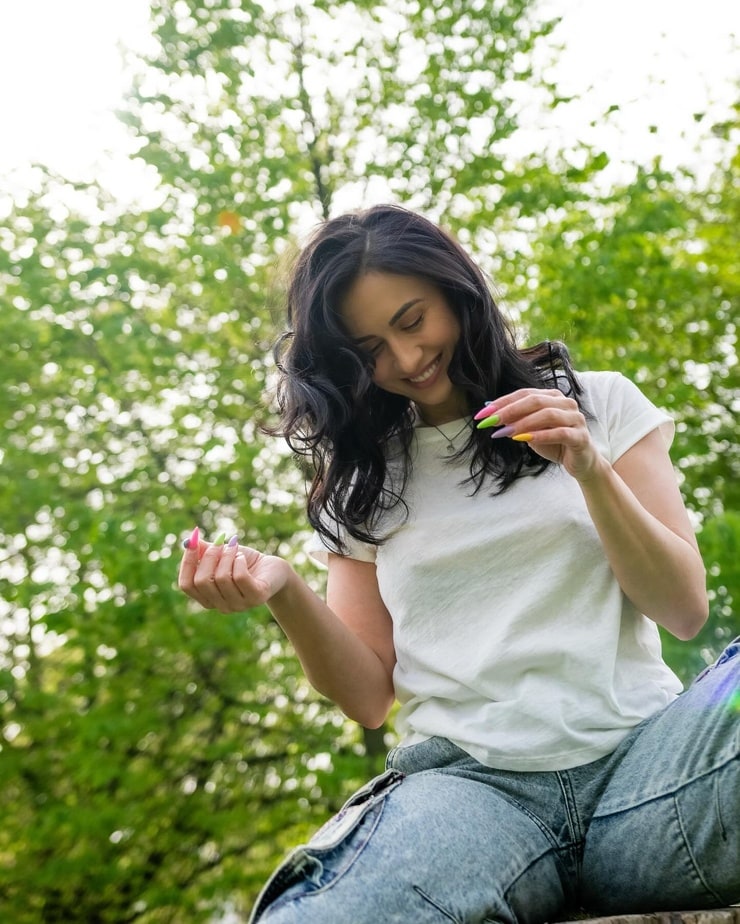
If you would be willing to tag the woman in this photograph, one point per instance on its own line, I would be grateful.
(503, 537)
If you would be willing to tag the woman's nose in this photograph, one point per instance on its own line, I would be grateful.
(406, 357)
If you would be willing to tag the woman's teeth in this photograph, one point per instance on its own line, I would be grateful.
(427, 374)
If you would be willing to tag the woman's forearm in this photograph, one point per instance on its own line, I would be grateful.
(659, 570)
(335, 660)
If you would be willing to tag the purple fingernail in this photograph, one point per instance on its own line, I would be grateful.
(504, 431)
(232, 542)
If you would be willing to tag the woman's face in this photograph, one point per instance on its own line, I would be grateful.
(407, 326)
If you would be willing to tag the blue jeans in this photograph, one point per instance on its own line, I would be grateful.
(441, 838)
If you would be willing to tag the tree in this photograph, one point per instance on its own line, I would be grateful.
(139, 736)
(156, 760)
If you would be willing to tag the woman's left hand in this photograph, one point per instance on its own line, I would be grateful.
(550, 422)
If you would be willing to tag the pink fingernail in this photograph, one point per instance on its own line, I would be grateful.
(232, 542)
(504, 431)
(193, 540)
(486, 411)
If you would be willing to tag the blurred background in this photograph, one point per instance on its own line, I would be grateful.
(160, 163)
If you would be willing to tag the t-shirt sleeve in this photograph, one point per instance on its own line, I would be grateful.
(319, 551)
(624, 412)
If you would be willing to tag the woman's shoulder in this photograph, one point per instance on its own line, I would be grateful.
(620, 411)
(600, 381)
(604, 388)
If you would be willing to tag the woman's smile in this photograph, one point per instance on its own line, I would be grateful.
(410, 332)
(427, 374)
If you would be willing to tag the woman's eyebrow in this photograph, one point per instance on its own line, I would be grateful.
(402, 310)
(395, 318)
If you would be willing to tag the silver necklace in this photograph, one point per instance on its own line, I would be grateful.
(451, 439)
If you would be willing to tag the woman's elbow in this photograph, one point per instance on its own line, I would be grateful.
(692, 620)
(371, 713)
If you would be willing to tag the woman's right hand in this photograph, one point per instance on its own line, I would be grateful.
(230, 578)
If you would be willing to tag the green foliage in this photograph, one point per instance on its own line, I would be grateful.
(265, 109)
(634, 284)
(140, 737)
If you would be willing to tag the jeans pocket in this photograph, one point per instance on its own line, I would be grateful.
(347, 818)
(430, 754)
(731, 651)
(304, 864)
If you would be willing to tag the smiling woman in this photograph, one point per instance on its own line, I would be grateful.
(507, 594)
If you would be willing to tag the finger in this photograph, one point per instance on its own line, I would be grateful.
(571, 437)
(223, 571)
(522, 393)
(525, 428)
(238, 587)
(204, 579)
(511, 408)
(241, 574)
(539, 399)
(551, 418)
(570, 447)
(491, 407)
(190, 558)
(251, 588)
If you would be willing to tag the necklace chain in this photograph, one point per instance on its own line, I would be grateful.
(451, 439)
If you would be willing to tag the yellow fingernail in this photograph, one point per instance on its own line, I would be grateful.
(522, 437)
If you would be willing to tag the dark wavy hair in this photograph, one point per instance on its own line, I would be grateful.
(334, 415)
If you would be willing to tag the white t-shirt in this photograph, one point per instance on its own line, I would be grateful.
(513, 638)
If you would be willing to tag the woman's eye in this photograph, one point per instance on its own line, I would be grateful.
(414, 324)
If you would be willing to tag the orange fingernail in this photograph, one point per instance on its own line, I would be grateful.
(522, 437)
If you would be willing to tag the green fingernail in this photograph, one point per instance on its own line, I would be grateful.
(493, 421)
(220, 539)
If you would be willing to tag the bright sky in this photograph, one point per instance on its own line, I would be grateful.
(62, 77)
(660, 60)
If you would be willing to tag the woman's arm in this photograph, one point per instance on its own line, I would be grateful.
(635, 505)
(638, 511)
(346, 651)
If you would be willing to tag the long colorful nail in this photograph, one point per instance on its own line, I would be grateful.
(522, 437)
(220, 539)
(192, 541)
(504, 431)
(493, 421)
(234, 541)
(486, 411)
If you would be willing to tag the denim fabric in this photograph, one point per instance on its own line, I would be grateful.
(440, 837)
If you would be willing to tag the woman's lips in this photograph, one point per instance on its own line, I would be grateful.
(428, 374)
